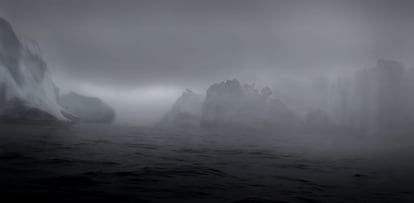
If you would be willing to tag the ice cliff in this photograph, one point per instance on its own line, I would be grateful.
(27, 91)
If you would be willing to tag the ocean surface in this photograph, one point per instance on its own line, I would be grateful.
(109, 163)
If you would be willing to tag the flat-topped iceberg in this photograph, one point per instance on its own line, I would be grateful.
(87, 109)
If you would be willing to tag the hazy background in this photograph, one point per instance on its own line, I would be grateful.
(139, 56)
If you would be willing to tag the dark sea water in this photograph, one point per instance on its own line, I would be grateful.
(101, 163)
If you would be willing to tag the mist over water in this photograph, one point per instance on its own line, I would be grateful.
(135, 46)
(206, 101)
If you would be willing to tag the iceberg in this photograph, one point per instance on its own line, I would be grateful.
(27, 91)
(87, 109)
(186, 112)
(378, 100)
(232, 104)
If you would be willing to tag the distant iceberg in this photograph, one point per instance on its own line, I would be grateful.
(230, 104)
(186, 112)
(378, 100)
(87, 109)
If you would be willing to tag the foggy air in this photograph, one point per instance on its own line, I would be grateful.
(206, 101)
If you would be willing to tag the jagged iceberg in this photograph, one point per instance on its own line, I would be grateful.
(27, 91)
(231, 104)
(87, 109)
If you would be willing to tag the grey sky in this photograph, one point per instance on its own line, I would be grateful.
(125, 45)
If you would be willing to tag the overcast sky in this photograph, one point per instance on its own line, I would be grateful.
(145, 52)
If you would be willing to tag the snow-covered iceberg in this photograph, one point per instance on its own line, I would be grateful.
(87, 109)
(27, 91)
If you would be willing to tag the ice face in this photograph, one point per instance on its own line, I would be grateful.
(24, 76)
(10, 50)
